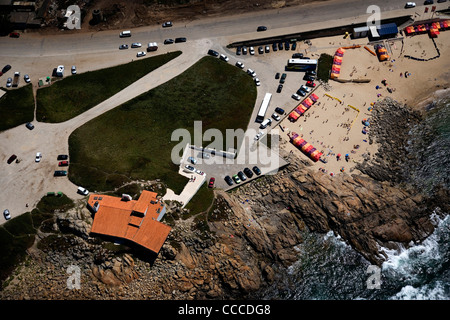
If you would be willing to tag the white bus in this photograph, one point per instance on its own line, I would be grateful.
(301, 64)
(264, 105)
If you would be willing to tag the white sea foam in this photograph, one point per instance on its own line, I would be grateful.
(435, 292)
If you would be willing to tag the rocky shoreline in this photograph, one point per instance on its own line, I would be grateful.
(250, 234)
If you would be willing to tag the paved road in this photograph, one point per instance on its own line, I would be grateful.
(26, 182)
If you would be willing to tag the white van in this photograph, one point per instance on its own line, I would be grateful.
(265, 123)
(152, 46)
(124, 34)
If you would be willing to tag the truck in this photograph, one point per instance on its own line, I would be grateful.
(16, 79)
(152, 46)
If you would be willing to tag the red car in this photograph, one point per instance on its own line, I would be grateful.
(211, 182)
(63, 163)
(14, 34)
(310, 84)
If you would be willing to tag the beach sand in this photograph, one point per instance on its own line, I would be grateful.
(334, 126)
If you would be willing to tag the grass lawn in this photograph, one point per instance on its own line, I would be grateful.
(133, 141)
(74, 95)
(16, 107)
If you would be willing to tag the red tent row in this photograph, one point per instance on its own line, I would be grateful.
(432, 28)
(337, 61)
(305, 147)
(303, 107)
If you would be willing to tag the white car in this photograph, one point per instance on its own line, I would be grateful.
(26, 78)
(224, 58)
(410, 5)
(83, 191)
(6, 214)
(251, 72)
(296, 97)
(38, 157)
(140, 54)
(257, 82)
(167, 24)
(240, 65)
(136, 45)
(74, 70)
(8, 82)
(259, 135)
(276, 117)
(305, 88)
(252, 50)
(199, 172)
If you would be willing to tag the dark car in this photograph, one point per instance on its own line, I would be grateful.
(11, 159)
(168, 41)
(301, 92)
(62, 157)
(167, 24)
(248, 173)
(286, 45)
(260, 50)
(310, 73)
(279, 110)
(308, 78)
(428, 2)
(14, 35)
(5, 69)
(213, 53)
(180, 40)
(294, 46)
(60, 173)
(274, 47)
(280, 45)
(280, 87)
(242, 176)
(238, 50)
(256, 170)
(228, 180)
(211, 182)
(29, 125)
(123, 46)
(297, 56)
(261, 28)
(277, 75)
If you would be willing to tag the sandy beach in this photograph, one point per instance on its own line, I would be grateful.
(334, 124)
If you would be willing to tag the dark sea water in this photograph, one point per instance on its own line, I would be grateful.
(329, 269)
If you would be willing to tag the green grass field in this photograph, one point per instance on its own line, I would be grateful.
(133, 141)
(16, 107)
(74, 95)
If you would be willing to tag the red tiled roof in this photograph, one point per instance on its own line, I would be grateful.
(125, 219)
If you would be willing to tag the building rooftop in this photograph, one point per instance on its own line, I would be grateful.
(134, 220)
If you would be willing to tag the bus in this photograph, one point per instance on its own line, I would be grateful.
(301, 65)
(263, 108)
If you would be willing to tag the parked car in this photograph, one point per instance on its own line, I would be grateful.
(311, 73)
(211, 182)
(256, 170)
(7, 214)
(280, 45)
(82, 191)
(295, 96)
(11, 159)
(261, 28)
(305, 88)
(308, 77)
(64, 163)
(286, 46)
(238, 50)
(38, 157)
(294, 46)
(242, 176)
(223, 57)
(410, 5)
(213, 53)
(192, 160)
(182, 39)
(240, 65)
(167, 24)
(279, 110)
(199, 172)
(204, 155)
(236, 179)
(260, 50)
(27, 78)
(280, 87)
(141, 54)
(251, 50)
(297, 56)
(301, 92)
(248, 173)
(244, 50)
(251, 72)
(60, 173)
(5, 69)
(267, 49)
(8, 82)
(123, 46)
(428, 2)
(62, 157)
(29, 125)
(257, 82)
(14, 35)
(277, 75)
(136, 45)
(190, 168)
(274, 46)
(74, 70)
(310, 84)
(276, 117)
(228, 180)
(259, 135)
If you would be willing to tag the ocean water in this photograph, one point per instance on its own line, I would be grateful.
(329, 269)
